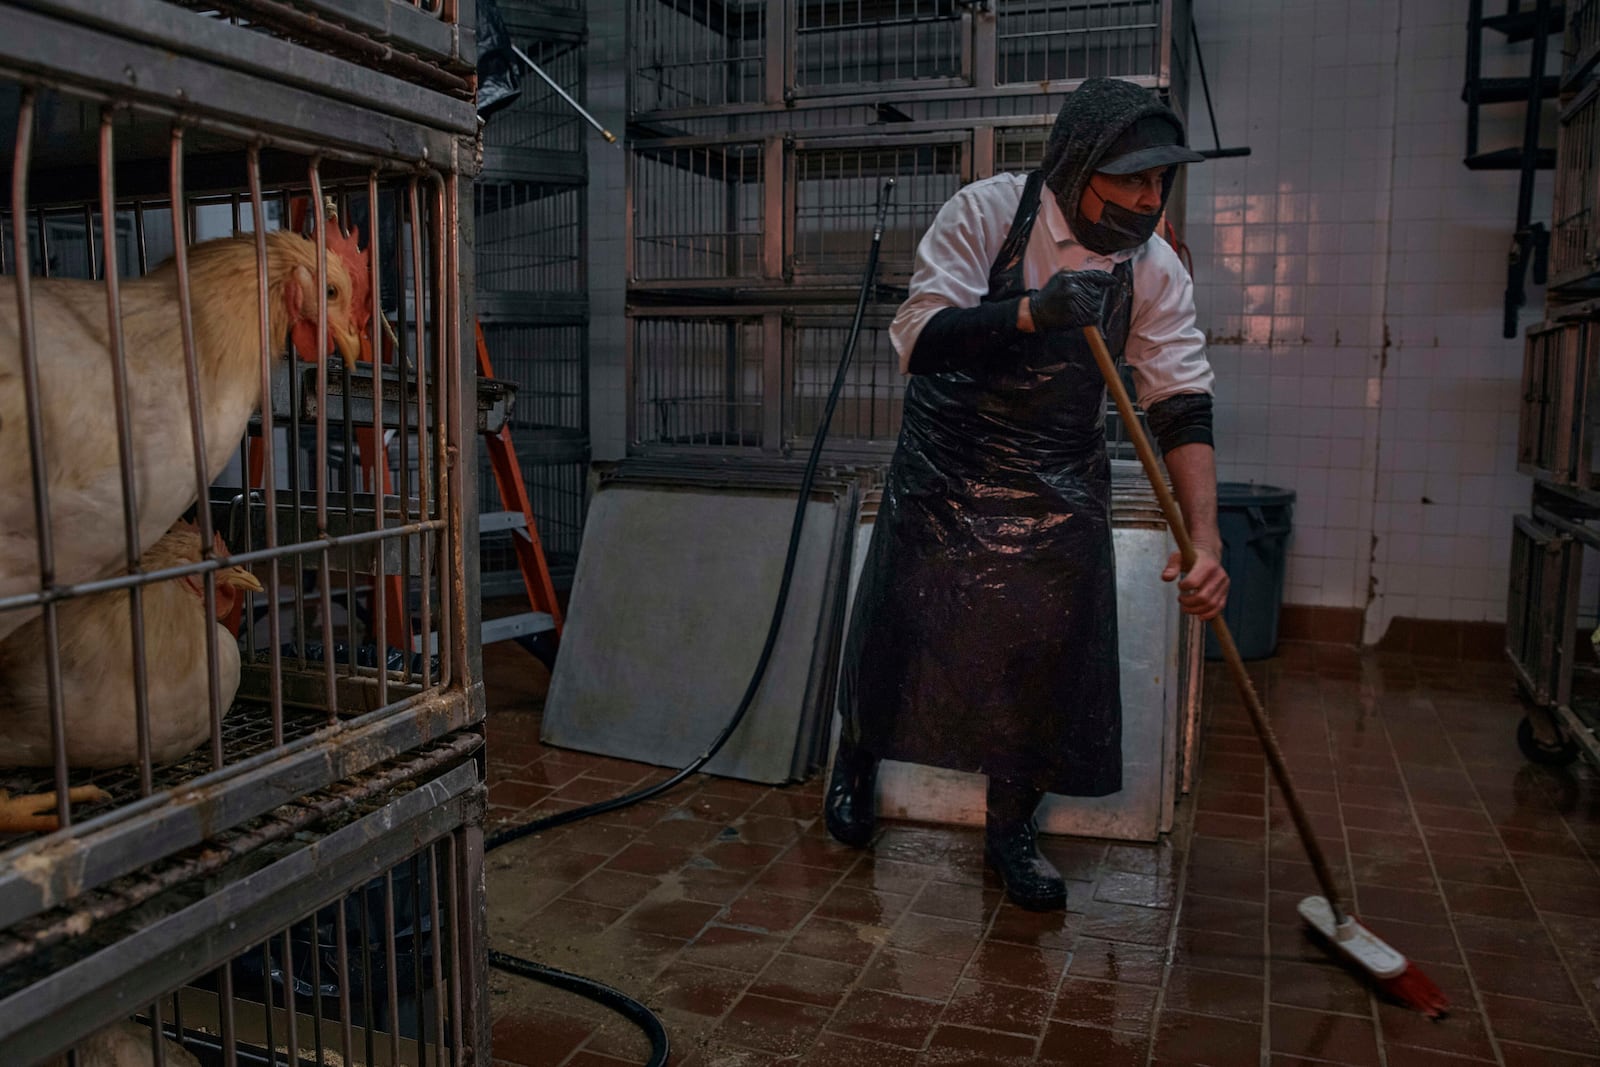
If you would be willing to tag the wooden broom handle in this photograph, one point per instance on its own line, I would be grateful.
(1230, 651)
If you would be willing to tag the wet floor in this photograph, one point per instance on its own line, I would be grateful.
(726, 909)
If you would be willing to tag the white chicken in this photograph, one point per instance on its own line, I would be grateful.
(125, 1044)
(79, 409)
(98, 693)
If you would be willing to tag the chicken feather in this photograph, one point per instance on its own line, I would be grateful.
(78, 406)
(96, 643)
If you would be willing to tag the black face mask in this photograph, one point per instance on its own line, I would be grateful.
(1118, 230)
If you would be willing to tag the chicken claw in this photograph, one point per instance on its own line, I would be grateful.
(36, 811)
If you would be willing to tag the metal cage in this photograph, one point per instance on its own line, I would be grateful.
(1044, 40)
(1540, 609)
(684, 54)
(519, 139)
(692, 59)
(842, 45)
(345, 929)
(867, 418)
(1581, 43)
(529, 237)
(835, 184)
(1558, 439)
(1575, 238)
(699, 379)
(230, 455)
(698, 212)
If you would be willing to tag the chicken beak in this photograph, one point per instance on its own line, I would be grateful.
(348, 342)
(239, 578)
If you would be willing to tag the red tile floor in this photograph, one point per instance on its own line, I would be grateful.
(725, 907)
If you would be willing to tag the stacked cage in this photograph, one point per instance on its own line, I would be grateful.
(240, 744)
(761, 134)
(532, 290)
(1558, 441)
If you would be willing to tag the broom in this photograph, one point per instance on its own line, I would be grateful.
(1389, 970)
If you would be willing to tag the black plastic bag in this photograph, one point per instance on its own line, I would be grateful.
(499, 69)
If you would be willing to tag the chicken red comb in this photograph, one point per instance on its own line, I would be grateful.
(346, 244)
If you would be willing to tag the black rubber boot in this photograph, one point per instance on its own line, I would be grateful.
(1011, 845)
(852, 802)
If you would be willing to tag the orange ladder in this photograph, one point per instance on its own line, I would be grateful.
(545, 618)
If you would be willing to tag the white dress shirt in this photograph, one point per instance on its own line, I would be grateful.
(1165, 350)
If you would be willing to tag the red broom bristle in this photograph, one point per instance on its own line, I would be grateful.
(1416, 990)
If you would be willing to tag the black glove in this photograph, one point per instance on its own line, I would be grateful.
(1070, 300)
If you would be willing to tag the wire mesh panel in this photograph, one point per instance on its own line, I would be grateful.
(693, 54)
(1048, 40)
(850, 44)
(697, 212)
(1574, 238)
(867, 417)
(529, 237)
(698, 380)
(835, 190)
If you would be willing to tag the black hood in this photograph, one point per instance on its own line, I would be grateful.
(1093, 116)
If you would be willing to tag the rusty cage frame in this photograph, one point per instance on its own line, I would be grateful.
(355, 735)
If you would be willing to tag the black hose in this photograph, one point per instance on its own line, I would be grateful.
(599, 992)
(596, 991)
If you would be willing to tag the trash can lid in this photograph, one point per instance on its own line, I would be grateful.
(1250, 494)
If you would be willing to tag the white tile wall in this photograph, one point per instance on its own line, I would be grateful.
(1350, 273)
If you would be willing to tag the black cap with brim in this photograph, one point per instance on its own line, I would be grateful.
(1150, 142)
(1149, 158)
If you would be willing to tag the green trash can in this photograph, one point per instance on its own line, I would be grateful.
(1255, 521)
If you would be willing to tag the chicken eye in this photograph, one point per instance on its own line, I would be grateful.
(332, 292)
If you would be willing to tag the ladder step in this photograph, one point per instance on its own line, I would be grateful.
(1510, 159)
(495, 521)
(1522, 25)
(1508, 90)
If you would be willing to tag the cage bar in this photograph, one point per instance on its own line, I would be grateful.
(867, 417)
(697, 212)
(841, 45)
(539, 121)
(1019, 149)
(1574, 238)
(696, 53)
(835, 190)
(1541, 608)
(1048, 41)
(529, 237)
(1581, 42)
(699, 380)
(283, 979)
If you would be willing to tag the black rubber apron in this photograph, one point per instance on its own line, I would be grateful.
(984, 635)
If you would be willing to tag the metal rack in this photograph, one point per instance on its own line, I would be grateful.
(1557, 439)
(1559, 423)
(348, 741)
(742, 58)
(530, 214)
